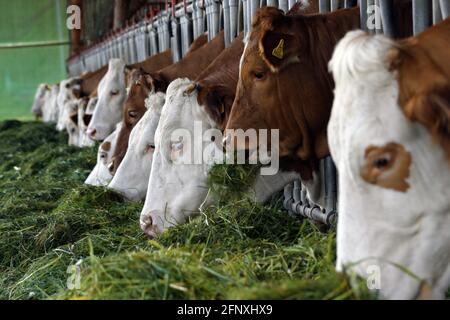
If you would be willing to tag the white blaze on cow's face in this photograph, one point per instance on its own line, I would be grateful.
(39, 100)
(394, 204)
(72, 123)
(101, 175)
(111, 96)
(131, 178)
(176, 188)
(84, 117)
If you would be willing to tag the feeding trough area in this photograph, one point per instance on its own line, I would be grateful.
(233, 149)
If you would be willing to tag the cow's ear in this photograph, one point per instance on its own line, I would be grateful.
(424, 93)
(432, 109)
(148, 79)
(159, 83)
(279, 49)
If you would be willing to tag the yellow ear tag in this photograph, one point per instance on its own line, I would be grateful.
(278, 52)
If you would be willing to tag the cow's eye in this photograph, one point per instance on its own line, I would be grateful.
(259, 75)
(176, 146)
(114, 92)
(381, 162)
(132, 114)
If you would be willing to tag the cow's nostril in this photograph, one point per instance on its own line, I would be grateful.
(92, 132)
(150, 230)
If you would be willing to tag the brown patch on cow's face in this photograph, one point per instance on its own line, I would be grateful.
(387, 166)
(106, 146)
(134, 109)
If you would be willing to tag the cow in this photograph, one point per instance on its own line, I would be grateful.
(389, 136)
(39, 100)
(50, 110)
(84, 117)
(101, 175)
(112, 93)
(177, 186)
(131, 177)
(284, 84)
(69, 91)
(71, 126)
(190, 66)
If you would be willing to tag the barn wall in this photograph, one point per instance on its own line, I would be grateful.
(21, 70)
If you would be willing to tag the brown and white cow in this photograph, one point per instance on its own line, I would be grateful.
(284, 83)
(389, 135)
(112, 93)
(142, 84)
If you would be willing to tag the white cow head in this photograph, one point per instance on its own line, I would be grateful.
(101, 175)
(50, 109)
(39, 100)
(394, 178)
(111, 96)
(177, 187)
(84, 117)
(131, 178)
(69, 91)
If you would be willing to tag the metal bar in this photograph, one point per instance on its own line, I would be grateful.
(421, 15)
(17, 45)
(363, 14)
(330, 185)
(233, 19)
(283, 5)
(334, 5)
(445, 8)
(387, 15)
(437, 14)
(272, 3)
(324, 6)
(350, 3)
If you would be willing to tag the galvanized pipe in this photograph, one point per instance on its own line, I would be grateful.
(330, 185)
(175, 40)
(437, 13)
(272, 3)
(283, 5)
(387, 15)
(334, 5)
(324, 6)
(233, 4)
(445, 8)
(226, 22)
(421, 15)
(363, 14)
(306, 210)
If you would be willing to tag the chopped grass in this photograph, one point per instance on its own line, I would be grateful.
(52, 227)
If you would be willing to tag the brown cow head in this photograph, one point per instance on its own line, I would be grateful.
(284, 82)
(141, 85)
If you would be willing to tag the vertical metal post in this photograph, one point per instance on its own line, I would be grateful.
(226, 22)
(421, 15)
(324, 6)
(233, 19)
(437, 14)
(243, 4)
(334, 5)
(272, 3)
(283, 5)
(291, 4)
(363, 14)
(330, 184)
(445, 8)
(350, 3)
(387, 15)
(175, 39)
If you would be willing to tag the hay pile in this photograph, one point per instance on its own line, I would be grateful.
(50, 222)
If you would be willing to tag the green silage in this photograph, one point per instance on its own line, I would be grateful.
(50, 221)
